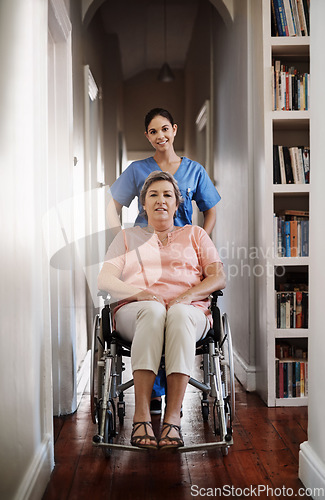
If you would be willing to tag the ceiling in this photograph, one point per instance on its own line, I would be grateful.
(139, 25)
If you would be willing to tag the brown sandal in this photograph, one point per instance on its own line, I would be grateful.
(179, 440)
(135, 440)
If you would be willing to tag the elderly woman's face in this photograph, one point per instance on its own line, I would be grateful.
(160, 202)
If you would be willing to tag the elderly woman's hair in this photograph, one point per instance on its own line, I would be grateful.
(159, 175)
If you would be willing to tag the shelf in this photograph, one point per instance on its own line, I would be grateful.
(291, 261)
(289, 119)
(291, 333)
(289, 129)
(291, 189)
(290, 46)
(292, 401)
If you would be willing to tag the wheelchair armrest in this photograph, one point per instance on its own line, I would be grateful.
(105, 295)
(214, 296)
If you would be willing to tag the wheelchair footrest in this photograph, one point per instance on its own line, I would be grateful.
(206, 446)
(119, 447)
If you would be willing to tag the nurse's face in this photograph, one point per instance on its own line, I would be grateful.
(161, 133)
(160, 203)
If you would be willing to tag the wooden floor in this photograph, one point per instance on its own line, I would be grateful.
(264, 455)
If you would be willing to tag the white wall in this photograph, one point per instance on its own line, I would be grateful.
(233, 164)
(26, 450)
(312, 453)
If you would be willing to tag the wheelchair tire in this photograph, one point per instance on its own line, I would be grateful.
(218, 428)
(226, 343)
(93, 370)
(121, 409)
(205, 411)
(109, 427)
(217, 324)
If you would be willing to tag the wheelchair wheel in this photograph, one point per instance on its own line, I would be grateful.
(96, 371)
(228, 367)
(205, 408)
(219, 425)
(95, 354)
(121, 409)
(109, 427)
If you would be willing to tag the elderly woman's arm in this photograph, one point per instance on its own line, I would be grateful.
(109, 281)
(215, 279)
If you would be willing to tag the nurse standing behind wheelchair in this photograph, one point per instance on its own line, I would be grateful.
(161, 276)
(193, 182)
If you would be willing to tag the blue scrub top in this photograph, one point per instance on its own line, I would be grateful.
(193, 182)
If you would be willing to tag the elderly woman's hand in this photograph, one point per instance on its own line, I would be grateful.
(147, 295)
(182, 299)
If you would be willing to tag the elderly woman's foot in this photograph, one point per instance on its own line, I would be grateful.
(171, 437)
(143, 436)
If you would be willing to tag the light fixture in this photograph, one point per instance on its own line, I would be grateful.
(165, 73)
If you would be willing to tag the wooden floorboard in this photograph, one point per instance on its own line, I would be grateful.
(264, 455)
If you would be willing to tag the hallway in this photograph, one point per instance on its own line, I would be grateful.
(265, 452)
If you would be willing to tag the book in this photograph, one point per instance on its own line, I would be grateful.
(291, 164)
(276, 165)
(290, 379)
(297, 370)
(285, 379)
(306, 162)
(274, 27)
(295, 213)
(287, 238)
(294, 228)
(306, 11)
(304, 305)
(290, 88)
(291, 376)
(302, 378)
(281, 387)
(299, 309)
(282, 166)
(291, 312)
(295, 16)
(289, 19)
(280, 18)
(300, 166)
(287, 165)
(304, 238)
(306, 378)
(302, 18)
(294, 238)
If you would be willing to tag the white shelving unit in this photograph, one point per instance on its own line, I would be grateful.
(289, 128)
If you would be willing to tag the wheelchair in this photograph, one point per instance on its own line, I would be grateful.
(107, 386)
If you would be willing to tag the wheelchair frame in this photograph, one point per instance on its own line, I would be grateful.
(106, 384)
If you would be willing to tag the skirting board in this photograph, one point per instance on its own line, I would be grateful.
(245, 373)
(311, 471)
(38, 473)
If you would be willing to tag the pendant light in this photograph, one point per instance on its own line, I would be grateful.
(165, 73)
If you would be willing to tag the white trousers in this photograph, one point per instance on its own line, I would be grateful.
(148, 325)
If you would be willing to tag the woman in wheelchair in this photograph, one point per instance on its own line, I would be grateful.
(160, 276)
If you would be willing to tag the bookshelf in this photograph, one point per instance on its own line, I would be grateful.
(288, 128)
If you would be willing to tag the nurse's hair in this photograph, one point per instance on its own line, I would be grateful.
(159, 175)
(157, 112)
